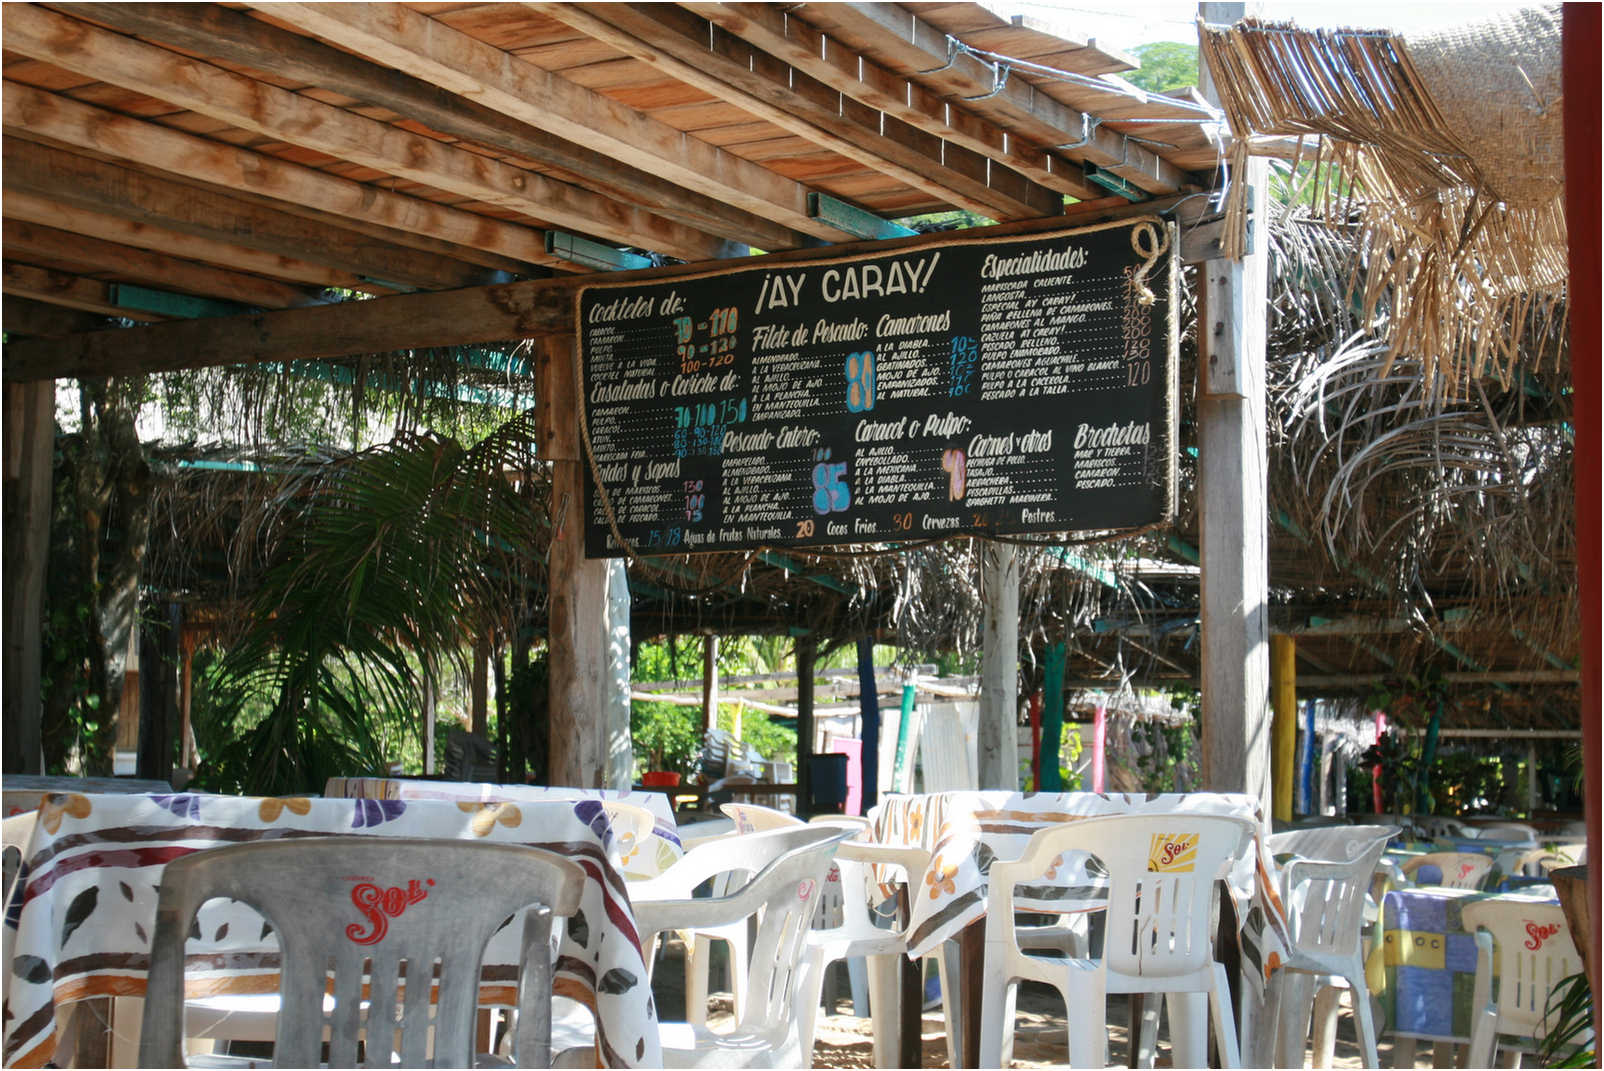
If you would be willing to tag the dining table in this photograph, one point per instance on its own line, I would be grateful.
(965, 831)
(22, 793)
(646, 860)
(80, 916)
(1423, 970)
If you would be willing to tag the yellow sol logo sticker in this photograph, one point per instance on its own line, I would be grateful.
(1172, 853)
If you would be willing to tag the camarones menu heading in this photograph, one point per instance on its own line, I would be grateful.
(985, 385)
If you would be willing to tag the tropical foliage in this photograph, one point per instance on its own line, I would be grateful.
(393, 561)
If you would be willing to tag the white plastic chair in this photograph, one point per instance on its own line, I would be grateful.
(788, 868)
(303, 888)
(1323, 890)
(1158, 937)
(1534, 952)
(1459, 870)
(1516, 831)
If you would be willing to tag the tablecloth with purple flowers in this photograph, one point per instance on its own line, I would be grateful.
(79, 918)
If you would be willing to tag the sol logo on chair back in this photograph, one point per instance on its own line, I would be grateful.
(379, 906)
(1537, 933)
(1172, 853)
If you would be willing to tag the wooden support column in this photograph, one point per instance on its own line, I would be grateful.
(578, 607)
(999, 667)
(620, 752)
(428, 725)
(807, 654)
(186, 696)
(29, 430)
(709, 683)
(1232, 460)
(1284, 694)
(479, 690)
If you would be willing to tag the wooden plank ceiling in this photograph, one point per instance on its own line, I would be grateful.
(178, 160)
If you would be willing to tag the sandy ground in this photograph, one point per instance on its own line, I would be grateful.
(844, 1040)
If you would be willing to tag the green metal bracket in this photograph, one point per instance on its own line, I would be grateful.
(852, 219)
(583, 251)
(166, 303)
(1114, 183)
(780, 561)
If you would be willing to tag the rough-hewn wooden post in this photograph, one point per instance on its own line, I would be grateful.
(578, 606)
(709, 683)
(998, 758)
(29, 436)
(1232, 463)
(620, 752)
(807, 655)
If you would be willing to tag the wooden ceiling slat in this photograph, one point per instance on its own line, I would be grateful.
(254, 106)
(806, 48)
(23, 239)
(119, 205)
(24, 318)
(82, 126)
(431, 112)
(409, 41)
(68, 290)
(912, 45)
(147, 234)
(680, 43)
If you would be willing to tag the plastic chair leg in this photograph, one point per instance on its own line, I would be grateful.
(1292, 1025)
(885, 1009)
(1483, 1038)
(1364, 1019)
(1189, 1028)
(1224, 1023)
(1403, 1052)
(1086, 998)
(809, 983)
(740, 964)
(997, 1019)
(1259, 1036)
(697, 953)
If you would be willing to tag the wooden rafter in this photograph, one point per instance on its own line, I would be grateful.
(920, 47)
(137, 234)
(68, 289)
(238, 38)
(428, 49)
(698, 53)
(300, 120)
(84, 126)
(223, 228)
(783, 35)
(26, 241)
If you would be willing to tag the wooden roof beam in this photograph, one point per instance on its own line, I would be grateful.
(69, 290)
(70, 122)
(77, 46)
(20, 316)
(783, 35)
(34, 208)
(236, 37)
(923, 49)
(434, 52)
(689, 48)
(26, 241)
(97, 196)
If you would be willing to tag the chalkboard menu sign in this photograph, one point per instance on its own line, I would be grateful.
(1001, 385)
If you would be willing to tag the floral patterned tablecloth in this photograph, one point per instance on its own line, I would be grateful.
(965, 831)
(639, 860)
(79, 919)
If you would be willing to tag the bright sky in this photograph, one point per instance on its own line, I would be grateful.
(1123, 26)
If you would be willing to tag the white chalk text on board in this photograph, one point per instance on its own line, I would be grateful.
(983, 385)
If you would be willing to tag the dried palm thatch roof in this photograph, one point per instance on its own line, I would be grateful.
(1450, 148)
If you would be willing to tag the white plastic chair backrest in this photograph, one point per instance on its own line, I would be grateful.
(369, 916)
(15, 833)
(947, 748)
(1161, 874)
(1507, 831)
(1534, 952)
(1331, 844)
(787, 868)
(1460, 870)
(1325, 897)
(1437, 825)
(1538, 862)
(753, 817)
